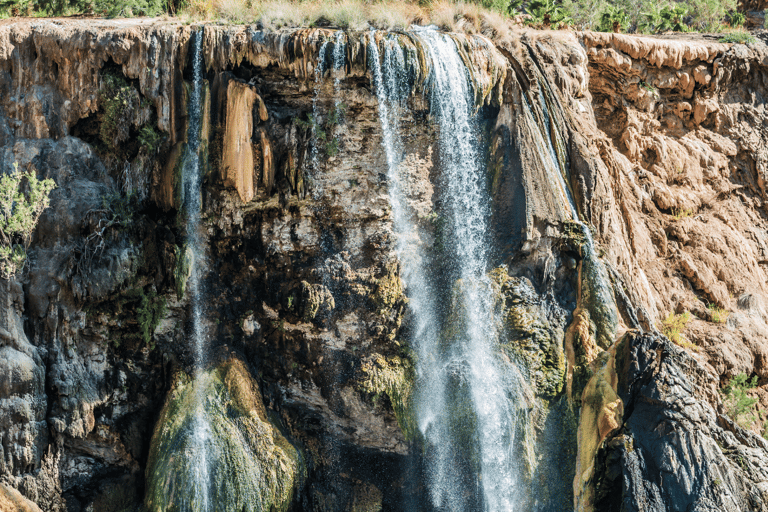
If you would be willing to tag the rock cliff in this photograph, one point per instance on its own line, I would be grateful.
(655, 144)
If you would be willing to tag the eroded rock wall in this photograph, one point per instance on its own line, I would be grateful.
(656, 142)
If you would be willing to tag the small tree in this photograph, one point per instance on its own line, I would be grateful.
(20, 209)
(738, 404)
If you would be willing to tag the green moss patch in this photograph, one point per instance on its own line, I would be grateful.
(394, 377)
(247, 465)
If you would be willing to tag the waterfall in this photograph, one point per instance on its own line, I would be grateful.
(467, 359)
(339, 60)
(199, 498)
(314, 155)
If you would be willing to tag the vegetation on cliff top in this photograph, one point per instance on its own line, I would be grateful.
(635, 16)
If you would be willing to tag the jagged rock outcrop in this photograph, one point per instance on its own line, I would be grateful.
(672, 450)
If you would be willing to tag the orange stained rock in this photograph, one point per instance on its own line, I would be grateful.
(237, 158)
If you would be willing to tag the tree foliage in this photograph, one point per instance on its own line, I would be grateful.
(23, 198)
(548, 14)
(664, 19)
(738, 404)
(614, 19)
(111, 8)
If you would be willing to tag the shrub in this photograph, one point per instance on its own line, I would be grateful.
(119, 101)
(68, 7)
(547, 14)
(738, 38)
(329, 144)
(613, 19)
(681, 213)
(735, 18)
(707, 15)
(673, 326)
(737, 403)
(717, 315)
(20, 209)
(149, 138)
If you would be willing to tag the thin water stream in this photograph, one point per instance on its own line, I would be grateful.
(200, 446)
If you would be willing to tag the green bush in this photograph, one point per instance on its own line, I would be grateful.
(708, 15)
(717, 315)
(149, 138)
(69, 7)
(614, 19)
(20, 209)
(735, 18)
(119, 101)
(330, 145)
(738, 404)
(674, 325)
(548, 14)
(664, 19)
(738, 37)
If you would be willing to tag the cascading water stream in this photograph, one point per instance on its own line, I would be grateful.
(494, 390)
(192, 199)
(314, 154)
(339, 59)
(467, 205)
(387, 80)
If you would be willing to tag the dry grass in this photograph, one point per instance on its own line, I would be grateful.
(351, 14)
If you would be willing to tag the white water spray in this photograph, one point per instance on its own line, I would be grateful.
(495, 390)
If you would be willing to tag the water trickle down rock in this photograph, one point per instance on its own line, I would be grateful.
(252, 466)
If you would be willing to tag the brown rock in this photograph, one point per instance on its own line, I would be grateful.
(237, 159)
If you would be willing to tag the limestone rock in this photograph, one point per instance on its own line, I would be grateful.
(237, 160)
(252, 464)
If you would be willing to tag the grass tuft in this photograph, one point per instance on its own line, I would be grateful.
(738, 37)
(673, 326)
(717, 315)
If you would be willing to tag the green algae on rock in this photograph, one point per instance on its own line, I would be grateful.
(394, 377)
(251, 465)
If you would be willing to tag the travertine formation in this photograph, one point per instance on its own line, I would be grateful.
(667, 164)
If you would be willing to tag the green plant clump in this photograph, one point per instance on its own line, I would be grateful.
(330, 145)
(149, 313)
(738, 38)
(716, 314)
(673, 326)
(119, 101)
(111, 8)
(548, 14)
(20, 209)
(614, 19)
(738, 404)
(149, 138)
(664, 19)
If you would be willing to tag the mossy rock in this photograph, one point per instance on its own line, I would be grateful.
(183, 270)
(597, 297)
(389, 291)
(394, 377)
(246, 464)
(527, 336)
(314, 301)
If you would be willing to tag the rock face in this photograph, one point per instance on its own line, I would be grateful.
(627, 177)
(263, 470)
(673, 451)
